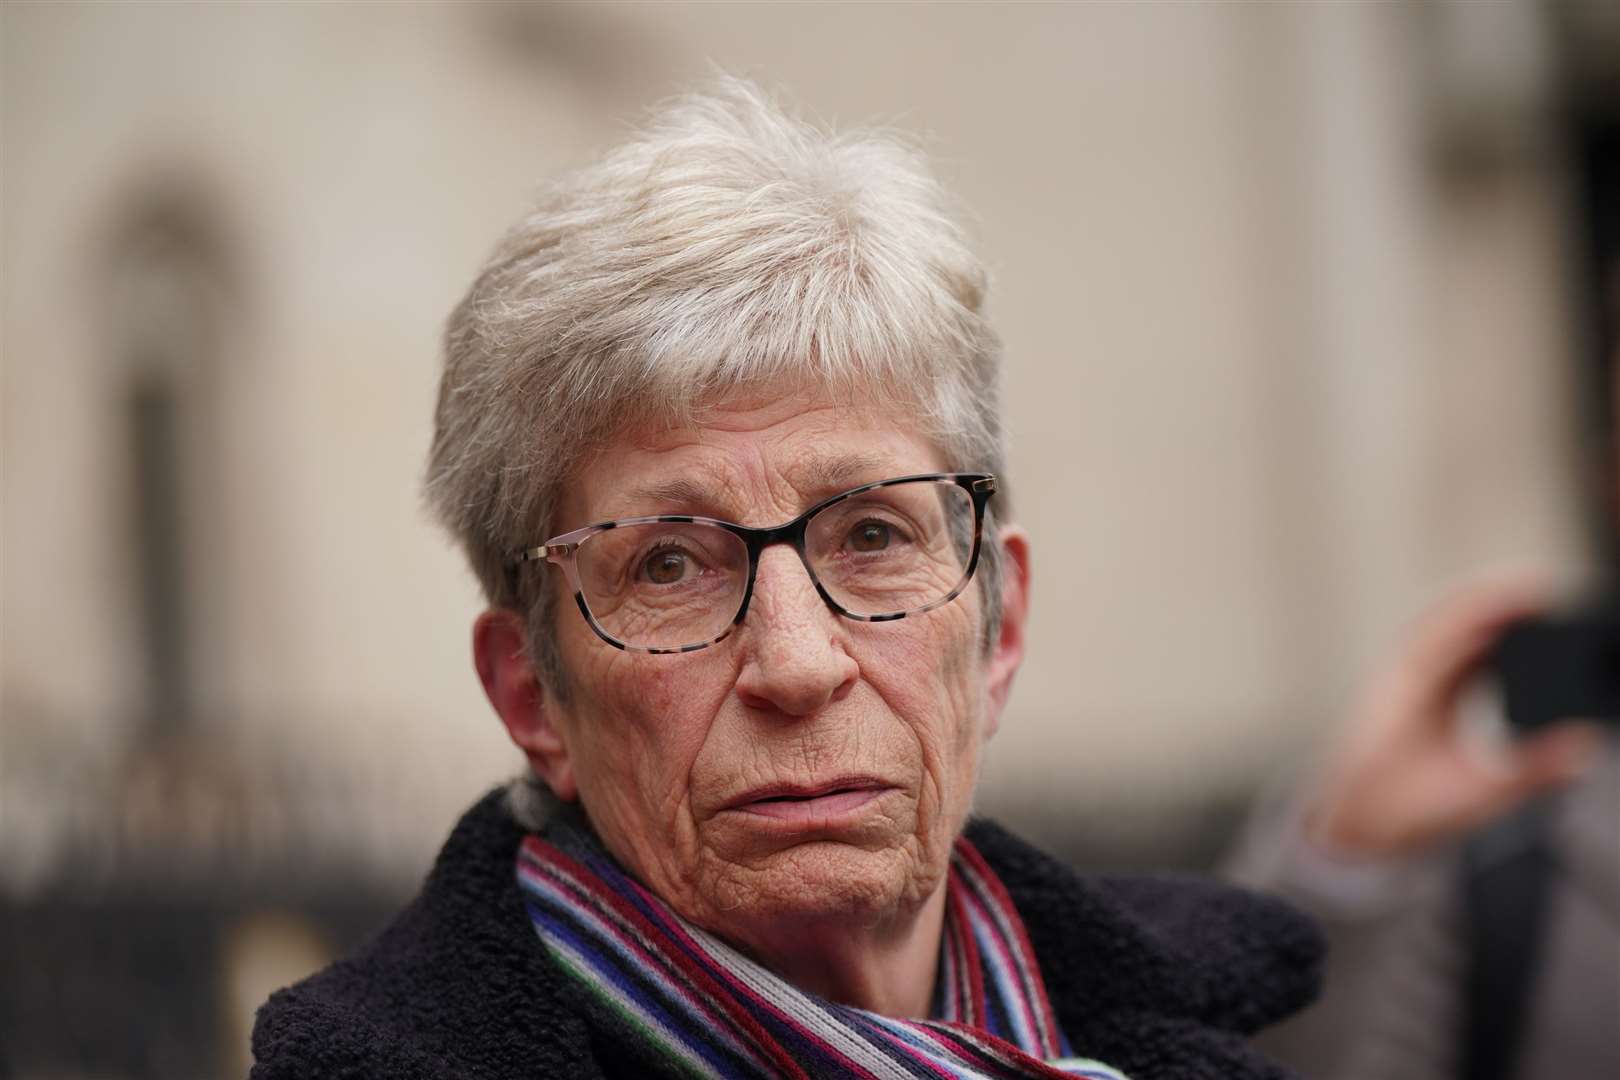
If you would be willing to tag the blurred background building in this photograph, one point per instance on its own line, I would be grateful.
(1303, 307)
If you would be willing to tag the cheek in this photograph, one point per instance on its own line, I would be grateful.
(934, 682)
(640, 723)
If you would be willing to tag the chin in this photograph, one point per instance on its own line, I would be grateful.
(822, 880)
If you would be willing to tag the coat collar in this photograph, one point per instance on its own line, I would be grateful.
(1161, 976)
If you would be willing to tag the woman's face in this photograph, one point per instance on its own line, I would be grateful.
(808, 766)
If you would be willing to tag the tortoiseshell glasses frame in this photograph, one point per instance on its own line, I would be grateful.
(960, 490)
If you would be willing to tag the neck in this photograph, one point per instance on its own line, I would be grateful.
(888, 968)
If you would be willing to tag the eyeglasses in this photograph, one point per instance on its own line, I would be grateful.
(674, 583)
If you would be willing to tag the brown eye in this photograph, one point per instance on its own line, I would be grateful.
(870, 536)
(664, 567)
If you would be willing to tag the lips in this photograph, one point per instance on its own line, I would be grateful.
(823, 803)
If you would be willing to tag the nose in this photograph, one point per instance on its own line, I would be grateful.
(794, 662)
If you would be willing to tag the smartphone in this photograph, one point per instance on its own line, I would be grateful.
(1561, 668)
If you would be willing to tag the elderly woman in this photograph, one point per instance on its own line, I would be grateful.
(718, 431)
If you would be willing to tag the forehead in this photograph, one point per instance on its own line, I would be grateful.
(753, 460)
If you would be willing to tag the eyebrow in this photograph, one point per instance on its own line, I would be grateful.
(830, 473)
(679, 490)
(821, 475)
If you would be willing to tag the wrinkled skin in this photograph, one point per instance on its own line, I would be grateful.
(659, 749)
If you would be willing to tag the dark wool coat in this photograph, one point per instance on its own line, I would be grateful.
(1159, 977)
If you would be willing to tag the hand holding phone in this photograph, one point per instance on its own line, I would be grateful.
(1404, 776)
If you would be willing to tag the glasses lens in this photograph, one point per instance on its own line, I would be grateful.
(664, 585)
(893, 549)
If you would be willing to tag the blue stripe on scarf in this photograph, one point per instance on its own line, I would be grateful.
(608, 968)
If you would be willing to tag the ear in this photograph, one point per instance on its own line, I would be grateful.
(501, 654)
(1007, 651)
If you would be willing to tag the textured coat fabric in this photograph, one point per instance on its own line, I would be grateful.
(1160, 977)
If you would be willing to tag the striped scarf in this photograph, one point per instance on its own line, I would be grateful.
(709, 1011)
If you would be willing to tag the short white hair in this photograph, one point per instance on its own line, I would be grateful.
(726, 246)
